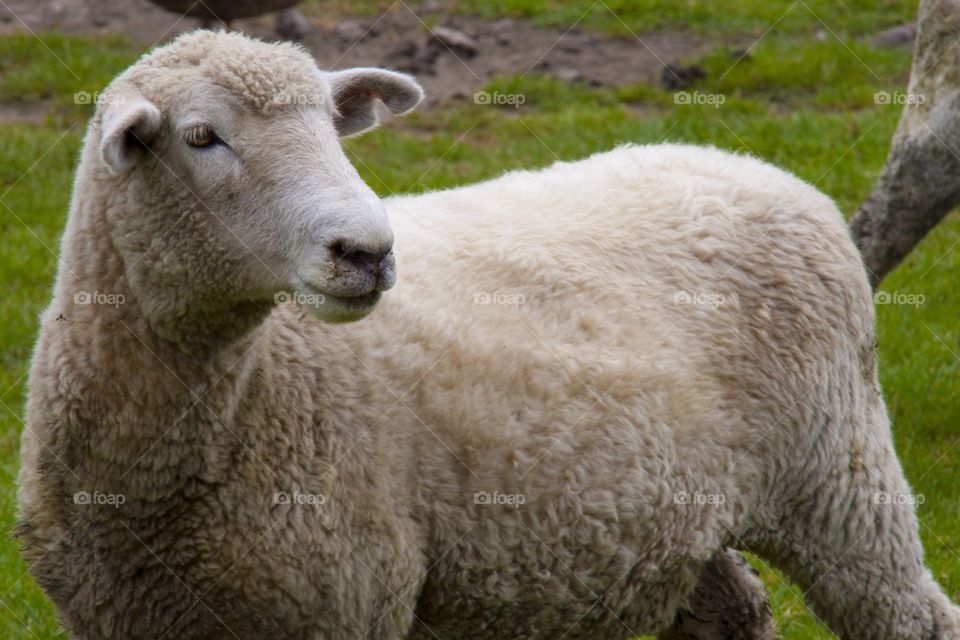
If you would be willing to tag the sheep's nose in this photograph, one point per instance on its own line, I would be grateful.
(377, 262)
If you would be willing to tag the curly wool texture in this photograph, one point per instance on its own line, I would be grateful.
(264, 82)
(589, 381)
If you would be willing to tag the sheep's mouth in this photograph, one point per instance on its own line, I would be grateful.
(363, 300)
(336, 308)
(346, 308)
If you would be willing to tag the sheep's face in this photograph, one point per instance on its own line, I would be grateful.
(241, 187)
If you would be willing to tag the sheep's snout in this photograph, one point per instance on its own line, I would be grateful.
(372, 263)
(344, 281)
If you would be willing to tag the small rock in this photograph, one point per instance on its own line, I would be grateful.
(425, 59)
(678, 76)
(820, 35)
(412, 58)
(503, 39)
(569, 74)
(406, 49)
(570, 47)
(459, 42)
(430, 6)
(292, 25)
(402, 57)
(899, 36)
(352, 31)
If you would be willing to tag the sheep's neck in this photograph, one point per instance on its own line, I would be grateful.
(158, 408)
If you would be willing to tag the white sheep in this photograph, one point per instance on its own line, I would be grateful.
(588, 382)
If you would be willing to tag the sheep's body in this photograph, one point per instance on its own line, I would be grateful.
(660, 351)
(691, 326)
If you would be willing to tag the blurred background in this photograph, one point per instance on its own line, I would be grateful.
(815, 86)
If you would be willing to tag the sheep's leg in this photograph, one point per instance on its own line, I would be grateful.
(847, 534)
(728, 603)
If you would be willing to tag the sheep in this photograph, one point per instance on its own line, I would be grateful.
(587, 383)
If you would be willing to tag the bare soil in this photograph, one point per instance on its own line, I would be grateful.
(399, 39)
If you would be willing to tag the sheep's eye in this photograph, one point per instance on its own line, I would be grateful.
(200, 136)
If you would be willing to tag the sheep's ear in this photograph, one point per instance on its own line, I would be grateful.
(356, 90)
(128, 123)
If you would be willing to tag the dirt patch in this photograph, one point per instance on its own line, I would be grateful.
(451, 63)
(16, 112)
(400, 39)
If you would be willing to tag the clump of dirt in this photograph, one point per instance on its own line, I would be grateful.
(23, 113)
(452, 59)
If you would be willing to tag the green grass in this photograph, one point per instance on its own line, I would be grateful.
(32, 215)
(801, 102)
(65, 72)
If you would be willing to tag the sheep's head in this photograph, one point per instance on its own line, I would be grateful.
(227, 180)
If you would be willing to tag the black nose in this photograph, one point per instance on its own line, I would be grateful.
(372, 262)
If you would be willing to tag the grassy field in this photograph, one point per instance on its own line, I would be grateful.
(804, 99)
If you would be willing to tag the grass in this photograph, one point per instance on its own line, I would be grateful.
(803, 102)
(62, 72)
